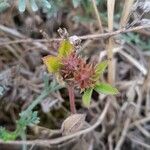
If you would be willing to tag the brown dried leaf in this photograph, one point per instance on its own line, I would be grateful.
(73, 124)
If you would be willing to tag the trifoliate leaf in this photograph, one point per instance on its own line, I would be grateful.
(100, 68)
(22, 5)
(86, 98)
(52, 63)
(65, 48)
(106, 89)
(33, 5)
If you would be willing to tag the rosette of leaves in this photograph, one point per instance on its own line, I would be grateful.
(76, 72)
(35, 4)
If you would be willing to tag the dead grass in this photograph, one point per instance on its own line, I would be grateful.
(113, 123)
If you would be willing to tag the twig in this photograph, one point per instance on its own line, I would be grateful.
(106, 35)
(85, 37)
(64, 138)
(19, 35)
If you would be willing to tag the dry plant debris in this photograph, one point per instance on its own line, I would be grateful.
(119, 122)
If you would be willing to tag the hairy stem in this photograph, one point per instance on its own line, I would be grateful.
(72, 99)
(41, 97)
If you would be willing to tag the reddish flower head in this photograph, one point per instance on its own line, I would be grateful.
(75, 71)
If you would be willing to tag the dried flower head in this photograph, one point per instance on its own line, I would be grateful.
(70, 65)
(84, 77)
(75, 71)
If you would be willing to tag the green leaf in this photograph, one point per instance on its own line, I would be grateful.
(106, 89)
(33, 5)
(65, 48)
(86, 98)
(52, 63)
(22, 5)
(29, 119)
(47, 4)
(4, 5)
(100, 68)
(76, 3)
(6, 135)
(33, 119)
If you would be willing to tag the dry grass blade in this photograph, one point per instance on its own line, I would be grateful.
(143, 131)
(123, 134)
(126, 12)
(147, 107)
(11, 31)
(134, 62)
(104, 53)
(141, 121)
(137, 141)
(68, 137)
(110, 11)
(97, 15)
(98, 20)
(111, 72)
(17, 34)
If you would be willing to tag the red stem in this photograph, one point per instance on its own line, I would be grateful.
(72, 99)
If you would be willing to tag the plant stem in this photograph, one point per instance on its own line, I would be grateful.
(72, 99)
(110, 11)
(21, 124)
(41, 97)
(23, 136)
